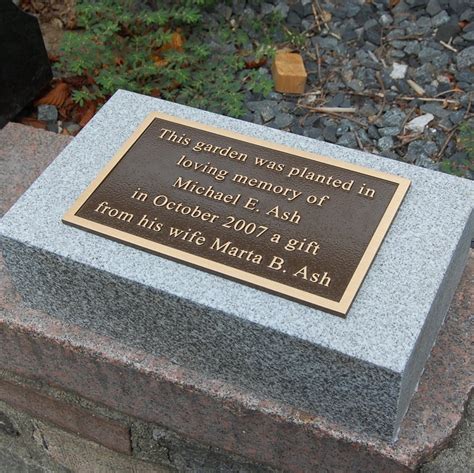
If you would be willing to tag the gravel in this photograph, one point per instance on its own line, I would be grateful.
(365, 51)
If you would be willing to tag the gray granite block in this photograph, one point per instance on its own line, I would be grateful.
(360, 371)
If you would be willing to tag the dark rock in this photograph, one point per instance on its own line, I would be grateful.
(267, 113)
(257, 119)
(428, 54)
(467, 15)
(259, 105)
(275, 96)
(297, 129)
(440, 19)
(435, 109)
(293, 19)
(356, 85)
(433, 7)
(24, 64)
(281, 7)
(315, 133)
(373, 133)
(346, 10)
(458, 6)
(349, 35)
(303, 8)
(364, 138)
(348, 139)
(465, 58)
(368, 109)
(329, 134)
(397, 54)
(412, 47)
(447, 30)
(389, 131)
(416, 3)
(465, 76)
(443, 87)
(393, 118)
(283, 120)
(373, 35)
(74, 128)
(385, 143)
(342, 129)
(457, 117)
(419, 149)
(441, 60)
(385, 19)
(47, 113)
(469, 36)
(336, 101)
(266, 9)
(425, 162)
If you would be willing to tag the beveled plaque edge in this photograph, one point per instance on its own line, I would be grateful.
(339, 308)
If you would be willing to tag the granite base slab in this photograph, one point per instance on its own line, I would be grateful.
(360, 371)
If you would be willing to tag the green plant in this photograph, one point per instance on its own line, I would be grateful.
(122, 46)
(461, 167)
(466, 137)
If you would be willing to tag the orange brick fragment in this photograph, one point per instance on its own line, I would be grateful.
(289, 73)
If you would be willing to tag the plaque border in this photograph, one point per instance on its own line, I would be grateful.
(340, 307)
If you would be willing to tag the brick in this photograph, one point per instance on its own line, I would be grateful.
(76, 420)
(289, 73)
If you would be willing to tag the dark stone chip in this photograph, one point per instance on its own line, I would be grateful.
(447, 31)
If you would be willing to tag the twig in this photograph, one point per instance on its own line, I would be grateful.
(320, 13)
(318, 62)
(408, 36)
(384, 99)
(447, 92)
(409, 139)
(359, 142)
(335, 35)
(446, 142)
(448, 46)
(316, 15)
(409, 114)
(452, 131)
(333, 114)
(405, 98)
(334, 109)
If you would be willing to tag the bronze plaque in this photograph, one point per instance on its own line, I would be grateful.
(300, 225)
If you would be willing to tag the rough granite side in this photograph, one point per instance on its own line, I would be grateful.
(360, 371)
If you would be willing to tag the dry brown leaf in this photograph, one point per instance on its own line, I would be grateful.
(326, 16)
(176, 43)
(57, 96)
(35, 123)
(88, 114)
(159, 61)
(63, 10)
(393, 3)
(66, 109)
(255, 63)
